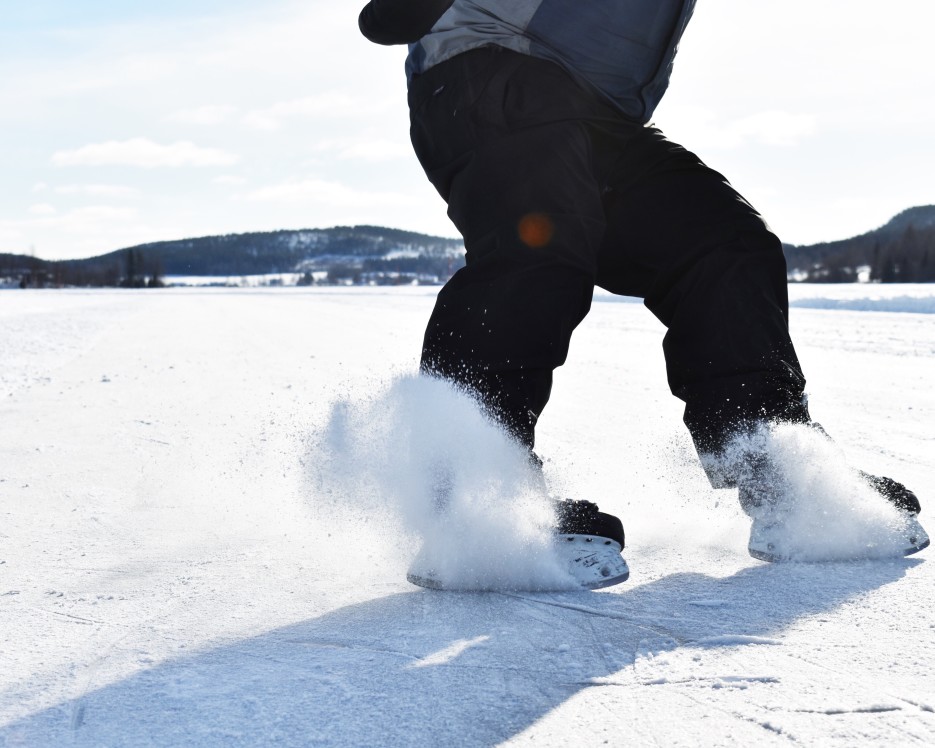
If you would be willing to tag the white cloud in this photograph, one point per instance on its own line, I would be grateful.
(144, 153)
(42, 209)
(327, 105)
(229, 179)
(89, 217)
(204, 115)
(98, 190)
(365, 149)
(322, 192)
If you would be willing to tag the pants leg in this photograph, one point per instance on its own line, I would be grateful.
(553, 192)
(497, 136)
(709, 268)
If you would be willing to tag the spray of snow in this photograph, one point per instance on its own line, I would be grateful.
(423, 464)
(829, 513)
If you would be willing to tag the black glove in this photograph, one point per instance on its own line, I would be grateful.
(400, 21)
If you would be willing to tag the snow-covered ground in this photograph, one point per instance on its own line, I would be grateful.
(182, 561)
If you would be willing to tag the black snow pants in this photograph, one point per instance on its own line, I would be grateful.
(555, 192)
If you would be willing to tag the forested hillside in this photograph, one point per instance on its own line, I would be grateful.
(902, 251)
(345, 254)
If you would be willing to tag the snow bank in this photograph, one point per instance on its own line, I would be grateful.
(420, 462)
(910, 304)
(913, 298)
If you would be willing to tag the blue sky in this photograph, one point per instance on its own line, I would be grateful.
(125, 123)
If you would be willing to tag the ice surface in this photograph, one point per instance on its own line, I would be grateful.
(174, 573)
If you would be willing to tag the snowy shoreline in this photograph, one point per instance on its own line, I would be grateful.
(911, 298)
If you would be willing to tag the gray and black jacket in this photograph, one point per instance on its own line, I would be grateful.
(623, 49)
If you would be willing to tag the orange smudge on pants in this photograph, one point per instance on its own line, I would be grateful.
(535, 230)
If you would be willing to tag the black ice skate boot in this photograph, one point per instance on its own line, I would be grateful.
(765, 496)
(587, 544)
(590, 542)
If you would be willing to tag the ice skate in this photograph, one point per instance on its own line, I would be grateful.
(588, 544)
(763, 494)
(591, 543)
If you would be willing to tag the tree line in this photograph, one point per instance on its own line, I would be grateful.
(902, 251)
(903, 254)
(339, 255)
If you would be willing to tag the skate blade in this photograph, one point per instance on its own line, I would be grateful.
(917, 539)
(592, 562)
(426, 579)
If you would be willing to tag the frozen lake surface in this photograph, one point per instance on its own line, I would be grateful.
(178, 565)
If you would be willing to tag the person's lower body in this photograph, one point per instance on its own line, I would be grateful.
(554, 193)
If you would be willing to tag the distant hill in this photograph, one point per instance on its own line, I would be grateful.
(901, 251)
(344, 254)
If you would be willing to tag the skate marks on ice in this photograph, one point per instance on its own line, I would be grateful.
(826, 512)
(426, 471)
(438, 668)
